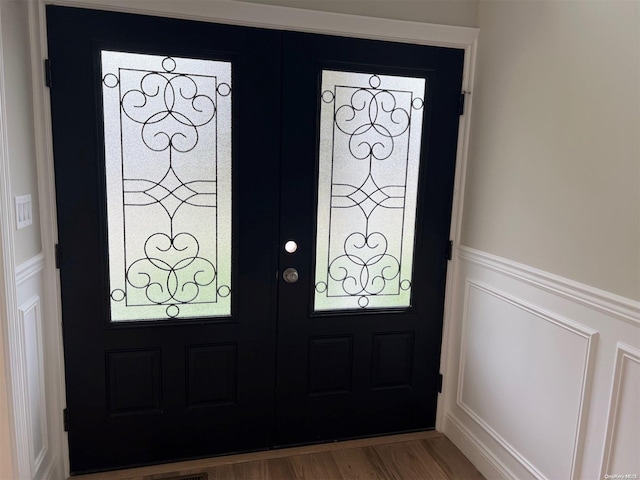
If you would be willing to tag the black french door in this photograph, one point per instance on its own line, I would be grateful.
(362, 371)
(207, 336)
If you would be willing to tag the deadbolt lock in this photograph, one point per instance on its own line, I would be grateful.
(290, 275)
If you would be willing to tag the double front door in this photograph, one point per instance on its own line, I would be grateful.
(253, 228)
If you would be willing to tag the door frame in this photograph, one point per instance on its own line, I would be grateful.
(226, 12)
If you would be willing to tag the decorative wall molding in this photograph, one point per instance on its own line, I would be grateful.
(624, 353)
(31, 356)
(20, 397)
(597, 393)
(28, 269)
(582, 331)
(620, 307)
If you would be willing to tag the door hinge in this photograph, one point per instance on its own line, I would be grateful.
(65, 419)
(450, 250)
(47, 73)
(461, 104)
(439, 383)
(58, 255)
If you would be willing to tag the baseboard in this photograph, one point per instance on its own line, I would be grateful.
(483, 459)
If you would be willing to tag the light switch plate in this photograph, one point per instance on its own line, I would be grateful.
(23, 211)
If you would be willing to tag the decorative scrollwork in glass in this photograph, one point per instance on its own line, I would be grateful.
(170, 109)
(167, 126)
(370, 130)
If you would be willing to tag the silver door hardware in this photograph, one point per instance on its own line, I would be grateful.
(290, 275)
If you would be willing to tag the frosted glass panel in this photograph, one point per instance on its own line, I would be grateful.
(369, 157)
(167, 132)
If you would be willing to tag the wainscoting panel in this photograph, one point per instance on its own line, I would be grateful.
(623, 433)
(35, 398)
(31, 321)
(541, 374)
(508, 349)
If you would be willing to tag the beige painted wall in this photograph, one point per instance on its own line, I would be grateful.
(446, 12)
(20, 127)
(554, 164)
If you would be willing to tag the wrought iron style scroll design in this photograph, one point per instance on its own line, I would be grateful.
(372, 122)
(169, 110)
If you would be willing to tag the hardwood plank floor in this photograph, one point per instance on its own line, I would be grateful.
(414, 456)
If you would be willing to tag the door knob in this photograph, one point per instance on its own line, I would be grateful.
(290, 275)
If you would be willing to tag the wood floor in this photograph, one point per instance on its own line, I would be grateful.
(413, 456)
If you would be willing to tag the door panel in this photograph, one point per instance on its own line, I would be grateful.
(153, 391)
(362, 371)
(183, 382)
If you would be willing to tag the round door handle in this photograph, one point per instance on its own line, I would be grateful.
(290, 275)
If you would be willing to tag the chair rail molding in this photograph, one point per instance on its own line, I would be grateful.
(607, 302)
(28, 269)
(234, 13)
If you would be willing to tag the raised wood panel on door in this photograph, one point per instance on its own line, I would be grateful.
(392, 360)
(134, 382)
(211, 374)
(330, 365)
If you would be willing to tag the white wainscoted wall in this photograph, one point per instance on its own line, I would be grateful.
(31, 382)
(31, 442)
(33, 379)
(542, 331)
(542, 375)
